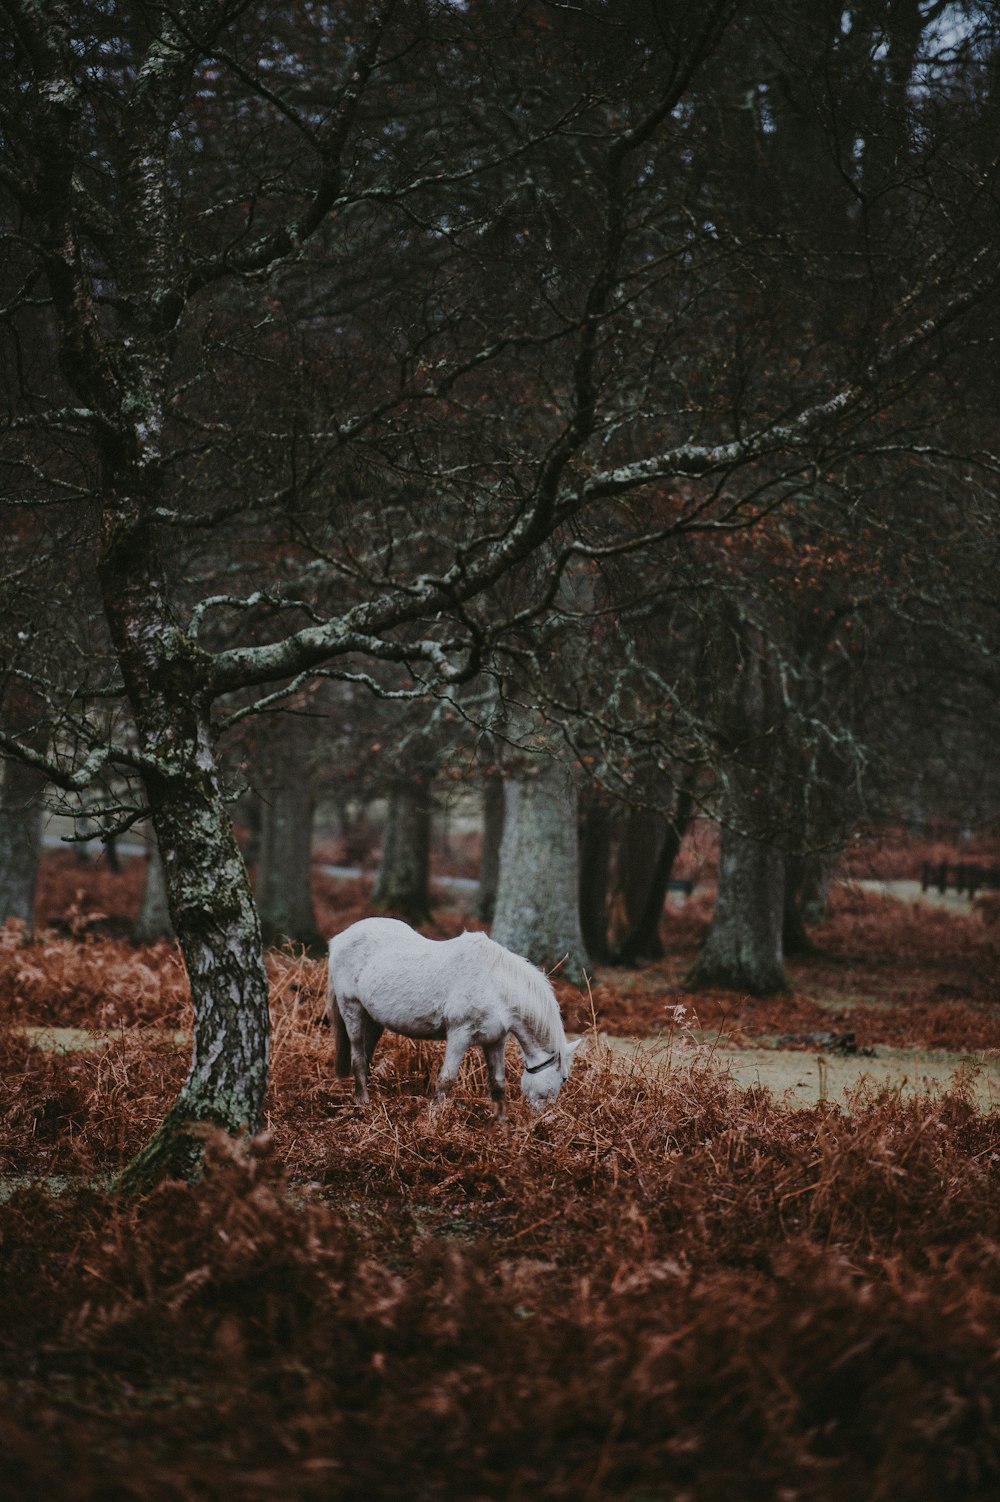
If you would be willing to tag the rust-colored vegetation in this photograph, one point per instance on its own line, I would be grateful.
(665, 1287)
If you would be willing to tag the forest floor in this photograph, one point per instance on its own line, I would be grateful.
(671, 1285)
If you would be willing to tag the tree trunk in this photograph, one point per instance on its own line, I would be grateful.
(595, 866)
(284, 874)
(642, 941)
(538, 913)
(403, 883)
(21, 816)
(153, 921)
(167, 681)
(217, 929)
(743, 951)
(489, 860)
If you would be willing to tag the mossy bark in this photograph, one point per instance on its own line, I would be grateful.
(217, 929)
(166, 678)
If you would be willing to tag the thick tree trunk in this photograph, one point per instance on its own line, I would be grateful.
(21, 817)
(537, 912)
(489, 859)
(217, 929)
(743, 951)
(153, 921)
(403, 883)
(284, 874)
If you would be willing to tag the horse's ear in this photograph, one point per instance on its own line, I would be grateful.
(574, 1046)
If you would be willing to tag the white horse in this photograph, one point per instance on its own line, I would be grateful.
(469, 991)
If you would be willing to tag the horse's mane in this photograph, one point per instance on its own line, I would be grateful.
(527, 991)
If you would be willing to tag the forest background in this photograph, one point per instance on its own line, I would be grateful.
(583, 415)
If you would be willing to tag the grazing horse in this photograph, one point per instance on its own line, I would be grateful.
(469, 991)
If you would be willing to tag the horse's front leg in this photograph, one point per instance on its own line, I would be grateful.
(457, 1046)
(493, 1053)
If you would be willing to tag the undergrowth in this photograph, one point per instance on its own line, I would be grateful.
(665, 1287)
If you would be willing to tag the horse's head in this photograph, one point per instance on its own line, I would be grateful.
(541, 1083)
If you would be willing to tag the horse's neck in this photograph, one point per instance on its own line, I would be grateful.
(535, 1043)
(530, 1005)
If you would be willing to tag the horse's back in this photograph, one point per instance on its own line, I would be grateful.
(418, 985)
(384, 942)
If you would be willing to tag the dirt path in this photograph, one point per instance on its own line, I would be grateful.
(910, 891)
(798, 1077)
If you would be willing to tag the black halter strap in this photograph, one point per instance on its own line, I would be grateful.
(536, 1068)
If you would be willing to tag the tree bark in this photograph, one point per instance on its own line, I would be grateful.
(284, 874)
(217, 929)
(166, 679)
(743, 950)
(537, 912)
(403, 882)
(489, 859)
(21, 816)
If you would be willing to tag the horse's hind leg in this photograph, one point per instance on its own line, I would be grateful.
(372, 1033)
(358, 1025)
(493, 1054)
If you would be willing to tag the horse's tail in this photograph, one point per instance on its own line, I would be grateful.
(342, 1044)
(342, 1060)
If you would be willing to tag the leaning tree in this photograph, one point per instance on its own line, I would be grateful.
(319, 324)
